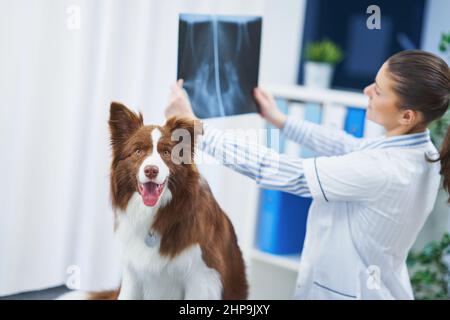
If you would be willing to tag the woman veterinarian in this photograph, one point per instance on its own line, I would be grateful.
(371, 197)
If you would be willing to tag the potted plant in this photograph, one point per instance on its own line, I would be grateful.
(321, 58)
(430, 270)
(444, 45)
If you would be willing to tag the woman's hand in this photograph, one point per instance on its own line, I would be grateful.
(268, 108)
(179, 104)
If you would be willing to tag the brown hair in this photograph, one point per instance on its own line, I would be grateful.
(422, 82)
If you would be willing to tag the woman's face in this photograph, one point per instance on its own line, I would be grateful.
(383, 102)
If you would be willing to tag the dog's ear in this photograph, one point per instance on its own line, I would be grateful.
(185, 131)
(194, 126)
(122, 123)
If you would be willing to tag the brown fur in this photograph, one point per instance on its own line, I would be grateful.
(193, 216)
(104, 295)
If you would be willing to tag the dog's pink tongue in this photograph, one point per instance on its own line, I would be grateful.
(150, 194)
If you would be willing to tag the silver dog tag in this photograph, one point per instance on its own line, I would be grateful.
(150, 239)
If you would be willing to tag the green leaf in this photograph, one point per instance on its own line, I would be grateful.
(438, 129)
(324, 51)
(431, 273)
(444, 44)
(447, 38)
(446, 238)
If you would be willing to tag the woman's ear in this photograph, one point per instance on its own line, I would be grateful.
(409, 117)
(122, 124)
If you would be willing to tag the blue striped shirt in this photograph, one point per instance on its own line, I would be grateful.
(267, 167)
(324, 141)
(272, 170)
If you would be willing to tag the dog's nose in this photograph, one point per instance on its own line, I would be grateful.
(151, 171)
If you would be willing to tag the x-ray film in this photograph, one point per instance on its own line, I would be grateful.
(218, 58)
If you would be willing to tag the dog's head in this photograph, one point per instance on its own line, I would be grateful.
(154, 161)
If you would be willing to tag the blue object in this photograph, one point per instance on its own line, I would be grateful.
(313, 113)
(282, 222)
(282, 105)
(354, 121)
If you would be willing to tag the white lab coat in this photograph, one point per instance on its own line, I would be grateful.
(370, 200)
(369, 206)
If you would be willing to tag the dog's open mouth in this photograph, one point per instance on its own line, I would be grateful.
(151, 192)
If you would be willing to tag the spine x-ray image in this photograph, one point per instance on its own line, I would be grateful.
(218, 58)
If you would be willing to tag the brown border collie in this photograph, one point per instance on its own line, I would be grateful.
(177, 243)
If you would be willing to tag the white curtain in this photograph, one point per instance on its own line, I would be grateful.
(58, 76)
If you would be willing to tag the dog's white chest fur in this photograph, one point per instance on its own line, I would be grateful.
(147, 274)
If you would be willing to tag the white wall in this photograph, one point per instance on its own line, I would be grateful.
(55, 88)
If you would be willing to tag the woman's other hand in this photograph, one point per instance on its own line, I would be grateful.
(268, 108)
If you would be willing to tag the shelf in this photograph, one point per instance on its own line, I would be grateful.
(289, 262)
(323, 96)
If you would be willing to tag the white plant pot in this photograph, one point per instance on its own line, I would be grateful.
(318, 74)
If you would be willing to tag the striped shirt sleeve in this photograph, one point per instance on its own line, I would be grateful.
(267, 167)
(323, 140)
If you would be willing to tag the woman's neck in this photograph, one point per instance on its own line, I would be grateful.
(398, 131)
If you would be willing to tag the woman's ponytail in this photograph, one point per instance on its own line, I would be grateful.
(444, 158)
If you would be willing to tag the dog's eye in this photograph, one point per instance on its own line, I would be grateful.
(166, 153)
(138, 152)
